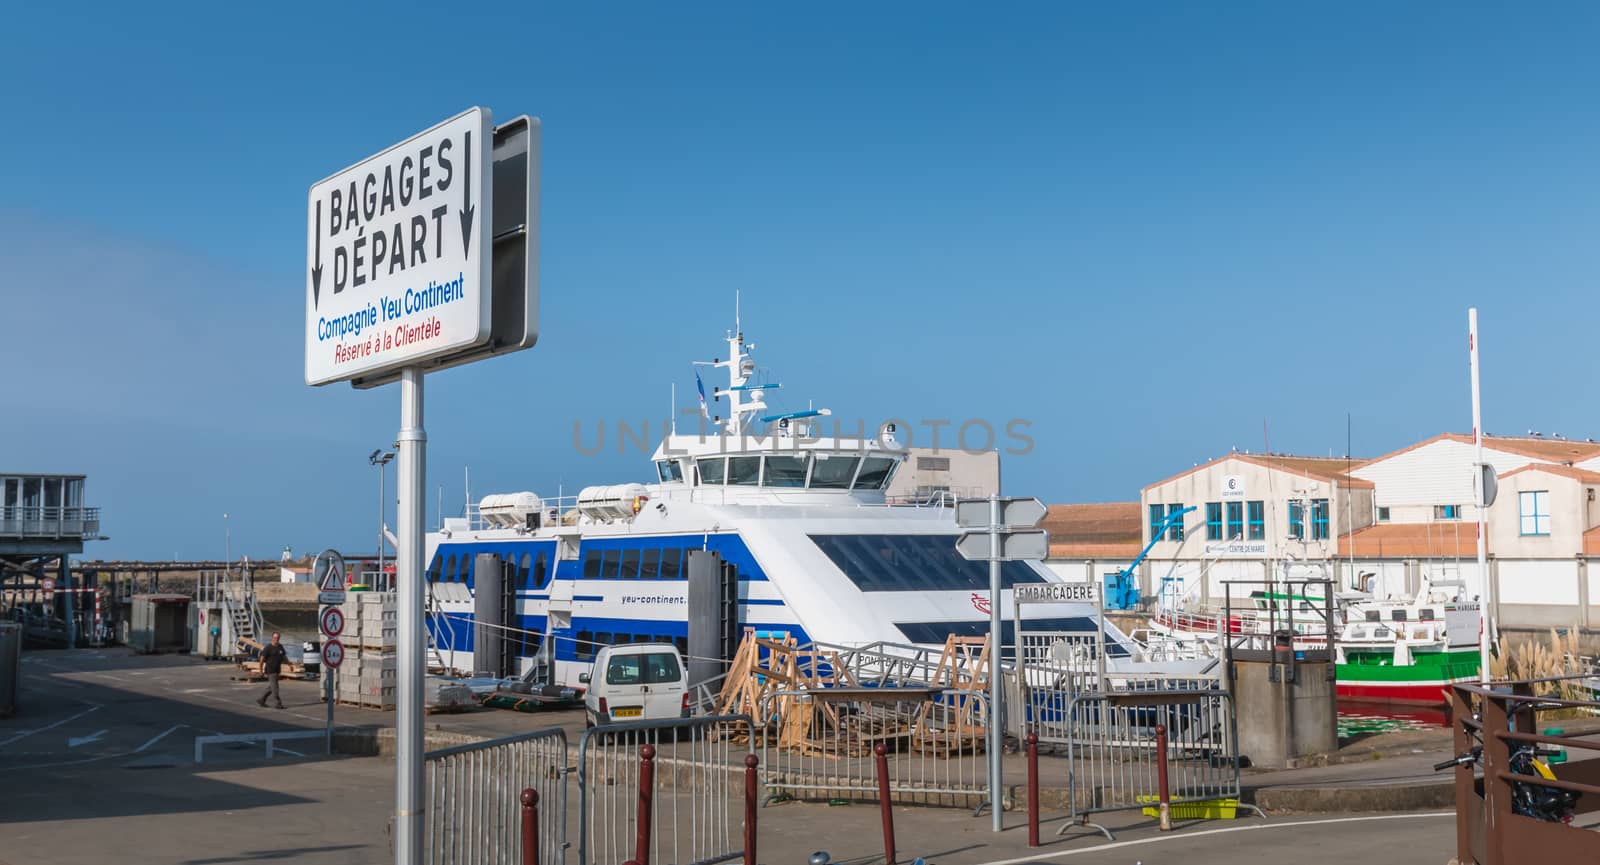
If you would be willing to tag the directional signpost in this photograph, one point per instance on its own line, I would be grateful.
(1002, 532)
(420, 257)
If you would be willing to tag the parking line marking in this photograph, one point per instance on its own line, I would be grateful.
(26, 733)
(163, 735)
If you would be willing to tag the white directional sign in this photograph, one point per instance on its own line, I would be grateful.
(1047, 592)
(397, 257)
(1029, 544)
(1016, 513)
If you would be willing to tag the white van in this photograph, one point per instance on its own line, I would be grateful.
(636, 682)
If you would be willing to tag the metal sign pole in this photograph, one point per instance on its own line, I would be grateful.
(327, 692)
(410, 666)
(1486, 605)
(994, 660)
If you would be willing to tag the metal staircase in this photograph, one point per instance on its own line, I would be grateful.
(236, 596)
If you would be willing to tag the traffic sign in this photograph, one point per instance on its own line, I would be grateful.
(1026, 544)
(1022, 593)
(333, 654)
(48, 586)
(1015, 513)
(332, 621)
(398, 254)
(328, 574)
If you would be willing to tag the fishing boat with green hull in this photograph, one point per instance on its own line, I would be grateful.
(1394, 650)
(1374, 675)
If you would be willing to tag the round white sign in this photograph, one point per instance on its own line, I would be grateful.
(333, 653)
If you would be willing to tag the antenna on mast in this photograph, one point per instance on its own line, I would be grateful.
(736, 326)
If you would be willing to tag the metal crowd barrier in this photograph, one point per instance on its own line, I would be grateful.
(1057, 667)
(819, 744)
(678, 801)
(1113, 757)
(474, 800)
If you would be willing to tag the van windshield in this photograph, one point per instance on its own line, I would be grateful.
(653, 668)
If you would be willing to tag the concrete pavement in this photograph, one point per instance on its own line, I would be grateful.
(97, 767)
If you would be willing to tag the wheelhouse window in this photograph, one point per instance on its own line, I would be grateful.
(669, 470)
(875, 472)
(711, 470)
(914, 563)
(830, 472)
(744, 471)
(630, 565)
(785, 471)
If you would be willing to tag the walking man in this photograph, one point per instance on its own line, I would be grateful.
(272, 658)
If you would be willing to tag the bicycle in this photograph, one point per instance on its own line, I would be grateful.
(1530, 799)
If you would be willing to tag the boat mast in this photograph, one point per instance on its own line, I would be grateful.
(1481, 483)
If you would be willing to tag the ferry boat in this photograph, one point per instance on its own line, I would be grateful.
(1392, 650)
(805, 543)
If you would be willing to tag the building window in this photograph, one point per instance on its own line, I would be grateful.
(1534, 508)
(1235, 520)
(1319, 519)
(1157, 514)
(1383, 515)
(1213, 521)
(1175, 530)
(1297, 521)
(1447, 512)
(1258, 521)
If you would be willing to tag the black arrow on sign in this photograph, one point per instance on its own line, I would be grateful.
(467, 207)
(316, 269)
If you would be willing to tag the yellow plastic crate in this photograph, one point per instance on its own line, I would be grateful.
(1200, 809)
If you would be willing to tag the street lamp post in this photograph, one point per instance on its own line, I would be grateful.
(381, 458)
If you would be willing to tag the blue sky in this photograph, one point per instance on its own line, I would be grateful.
(1150, 232)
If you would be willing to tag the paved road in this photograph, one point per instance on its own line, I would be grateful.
(98, 767)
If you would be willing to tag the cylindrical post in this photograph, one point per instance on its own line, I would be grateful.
(881, 753)
(1486, 602)
(1161, 778)
(1033, 789)
(530, 826)
(411, 660)
(752, 799)
(994, 746)
(647, 788)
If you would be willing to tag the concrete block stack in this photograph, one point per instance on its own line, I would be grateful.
(367, 677)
